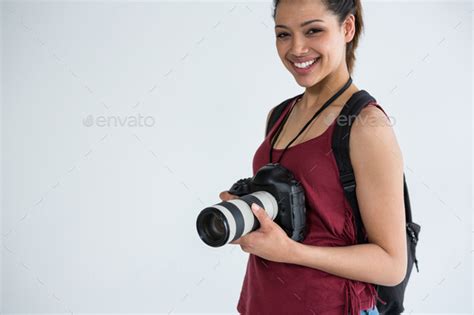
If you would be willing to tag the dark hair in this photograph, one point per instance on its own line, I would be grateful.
(342, 8)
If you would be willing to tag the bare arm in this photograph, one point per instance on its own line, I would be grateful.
(378, 168)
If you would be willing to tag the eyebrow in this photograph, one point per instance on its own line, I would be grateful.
(302, 24)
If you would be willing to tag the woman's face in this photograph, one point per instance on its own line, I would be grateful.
(320, 42)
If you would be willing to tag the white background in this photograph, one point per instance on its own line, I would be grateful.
(102, 218)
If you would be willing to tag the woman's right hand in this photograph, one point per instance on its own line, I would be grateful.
(226, 196)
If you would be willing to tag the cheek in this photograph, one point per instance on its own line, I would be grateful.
(281, 49)
(322, 45)
(335, 46)
(331, 52)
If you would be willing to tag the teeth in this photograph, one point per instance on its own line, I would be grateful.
(304, 64)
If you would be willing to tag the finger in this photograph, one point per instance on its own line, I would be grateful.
(243, 240)
(261, 214)
(240, 241)
(225, 195)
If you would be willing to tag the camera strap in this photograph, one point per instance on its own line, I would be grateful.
(335, 96)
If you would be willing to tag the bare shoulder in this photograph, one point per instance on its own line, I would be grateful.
(373, 145)
(372, 127)
(370, 116)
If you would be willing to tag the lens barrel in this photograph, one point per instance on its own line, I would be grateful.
(227, 221)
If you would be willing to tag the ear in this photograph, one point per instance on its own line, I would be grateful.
(349, 28)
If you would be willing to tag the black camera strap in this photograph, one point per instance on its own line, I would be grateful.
(335, 96)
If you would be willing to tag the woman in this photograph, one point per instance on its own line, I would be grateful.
(327, 273)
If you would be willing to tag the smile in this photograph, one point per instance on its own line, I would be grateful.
(305, 67)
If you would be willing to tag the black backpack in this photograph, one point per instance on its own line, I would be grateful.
(393, 296)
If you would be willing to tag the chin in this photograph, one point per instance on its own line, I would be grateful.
(306, 82)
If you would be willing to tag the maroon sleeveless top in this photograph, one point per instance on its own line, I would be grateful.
(280, 288)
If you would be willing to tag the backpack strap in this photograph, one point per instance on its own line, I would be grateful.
(277, 111)
(340, 146)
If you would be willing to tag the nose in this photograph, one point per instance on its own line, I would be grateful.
(299, 47)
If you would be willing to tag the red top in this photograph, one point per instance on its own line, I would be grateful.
(280, 288)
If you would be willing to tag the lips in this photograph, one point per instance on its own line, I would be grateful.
(308, 69)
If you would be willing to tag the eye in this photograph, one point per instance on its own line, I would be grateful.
(281, 35)
(315, 30)
(310, 32)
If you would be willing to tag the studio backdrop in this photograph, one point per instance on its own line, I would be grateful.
(121, 121)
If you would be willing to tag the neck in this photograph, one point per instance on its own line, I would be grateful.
(315, 96)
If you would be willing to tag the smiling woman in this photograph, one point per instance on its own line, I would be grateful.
(328, 273)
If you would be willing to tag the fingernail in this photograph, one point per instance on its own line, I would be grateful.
(255, 207)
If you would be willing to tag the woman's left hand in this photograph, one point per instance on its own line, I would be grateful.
(269, 241)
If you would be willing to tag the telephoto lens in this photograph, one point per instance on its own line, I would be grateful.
(227, 221)
(275, 189)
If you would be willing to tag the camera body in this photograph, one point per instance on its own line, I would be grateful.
(288, 192)
(275, 189)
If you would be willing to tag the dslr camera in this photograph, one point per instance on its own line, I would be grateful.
(275, 189)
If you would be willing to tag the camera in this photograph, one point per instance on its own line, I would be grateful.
(275, 189)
